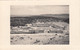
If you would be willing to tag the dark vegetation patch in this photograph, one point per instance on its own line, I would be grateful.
(21, 21)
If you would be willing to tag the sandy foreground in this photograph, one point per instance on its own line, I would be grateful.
(39, 39)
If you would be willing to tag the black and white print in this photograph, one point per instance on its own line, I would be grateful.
(39, 25)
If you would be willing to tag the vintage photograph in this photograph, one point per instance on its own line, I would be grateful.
(39, 25)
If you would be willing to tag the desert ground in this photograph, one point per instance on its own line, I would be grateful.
(41, 39)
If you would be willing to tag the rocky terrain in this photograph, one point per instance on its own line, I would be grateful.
(41, 39)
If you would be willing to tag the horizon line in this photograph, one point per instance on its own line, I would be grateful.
(38, 14)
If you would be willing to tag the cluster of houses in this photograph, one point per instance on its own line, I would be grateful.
(39, 27)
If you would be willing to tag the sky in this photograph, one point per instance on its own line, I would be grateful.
(23, 10)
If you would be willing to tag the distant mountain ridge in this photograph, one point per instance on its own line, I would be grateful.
(57, 15)
(46, 15)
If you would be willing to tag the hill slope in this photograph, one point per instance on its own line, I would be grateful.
(21, 21)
